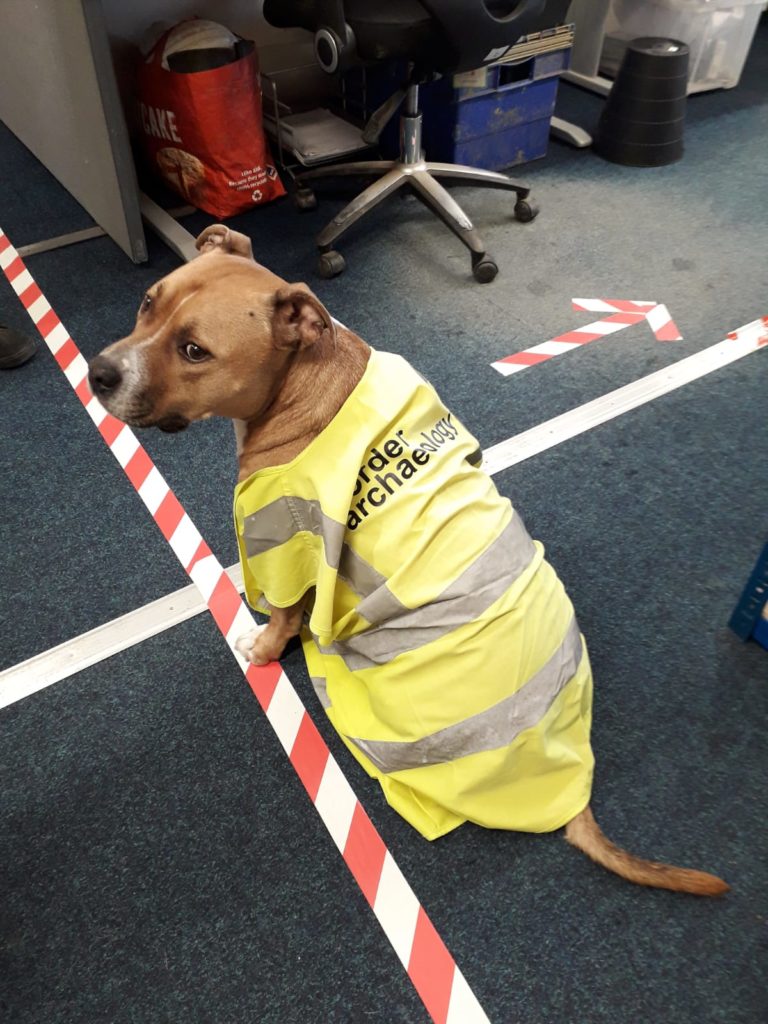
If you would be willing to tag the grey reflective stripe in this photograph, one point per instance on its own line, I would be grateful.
(380, 606)
(360, 576)
(282, 519)
(321, 690)
(476, 589)
(491, 729)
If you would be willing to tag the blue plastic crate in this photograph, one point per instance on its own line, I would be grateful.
(493, 128)
(760, 632)
(500, 120)
(747, 618)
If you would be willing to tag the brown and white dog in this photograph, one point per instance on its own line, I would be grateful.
(223, 336)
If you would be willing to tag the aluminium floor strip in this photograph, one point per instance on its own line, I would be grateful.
(72, 656)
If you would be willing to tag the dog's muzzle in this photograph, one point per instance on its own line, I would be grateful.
(117, 391)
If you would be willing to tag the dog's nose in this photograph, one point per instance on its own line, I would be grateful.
(104, 376)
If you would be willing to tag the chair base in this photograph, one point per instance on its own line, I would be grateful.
(422, 177)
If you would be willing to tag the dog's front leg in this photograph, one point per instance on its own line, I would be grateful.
(267, 643)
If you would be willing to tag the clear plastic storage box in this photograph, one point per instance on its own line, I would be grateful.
(718, 33)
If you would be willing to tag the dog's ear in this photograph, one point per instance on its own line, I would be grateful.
(299, 319)
(218, 237)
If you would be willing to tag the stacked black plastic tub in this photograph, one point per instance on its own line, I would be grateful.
(643, 119)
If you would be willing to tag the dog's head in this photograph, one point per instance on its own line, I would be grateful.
(213, 338)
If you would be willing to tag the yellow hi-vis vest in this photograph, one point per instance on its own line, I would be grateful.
(440, 642)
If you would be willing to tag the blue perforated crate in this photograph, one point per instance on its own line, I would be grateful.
(760, 632)
(495, 117)
(748, 619)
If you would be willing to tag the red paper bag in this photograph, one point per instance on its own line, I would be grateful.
(203, 134)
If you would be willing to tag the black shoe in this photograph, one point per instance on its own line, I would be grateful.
(15, 349)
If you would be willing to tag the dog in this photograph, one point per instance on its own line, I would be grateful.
(440, 642)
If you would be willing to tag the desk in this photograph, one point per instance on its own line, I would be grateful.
(59, 96)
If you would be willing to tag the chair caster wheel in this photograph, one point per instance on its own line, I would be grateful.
(525, 210)
(330, 264)
(484, 268)
(304, 198)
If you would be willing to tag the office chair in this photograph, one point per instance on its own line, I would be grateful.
(435, 37)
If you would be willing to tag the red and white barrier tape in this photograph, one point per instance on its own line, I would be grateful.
(657, 314)
(624, 313)
(431, 968)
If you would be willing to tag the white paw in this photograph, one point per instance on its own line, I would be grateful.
(244, 644)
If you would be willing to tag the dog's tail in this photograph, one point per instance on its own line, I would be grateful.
(584, 833)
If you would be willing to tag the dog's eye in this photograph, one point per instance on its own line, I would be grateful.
(146, 302)
(193, 353)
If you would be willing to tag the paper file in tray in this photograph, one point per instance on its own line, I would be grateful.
(316, 136)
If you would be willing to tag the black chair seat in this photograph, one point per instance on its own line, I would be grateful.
(397, 28)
